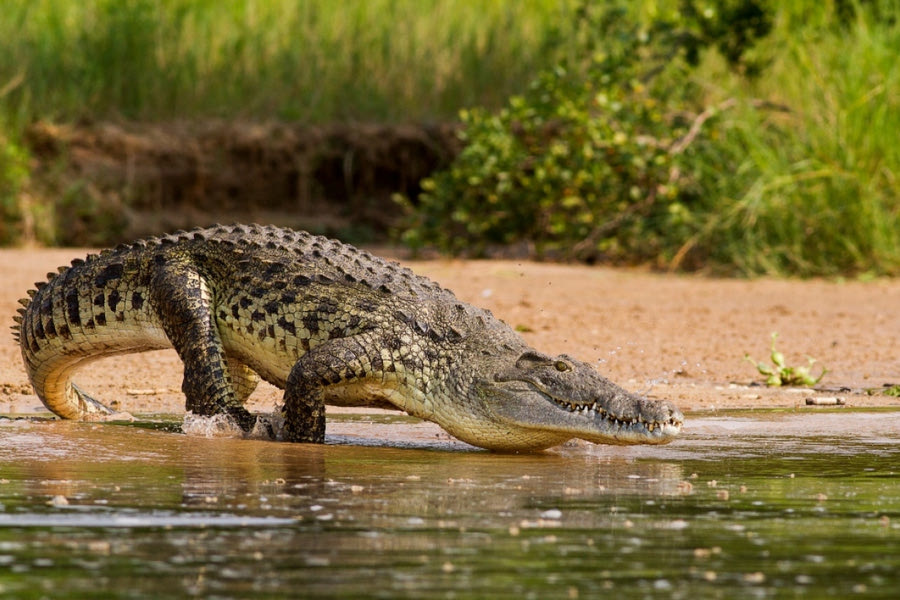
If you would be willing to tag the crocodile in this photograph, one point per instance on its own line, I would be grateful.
(329, 324)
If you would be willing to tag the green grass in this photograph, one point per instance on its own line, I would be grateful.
(314, 61)
(812, 190)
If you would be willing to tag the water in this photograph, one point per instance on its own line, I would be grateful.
(747, 505)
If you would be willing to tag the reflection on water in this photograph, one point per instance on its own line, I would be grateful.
(757, 505)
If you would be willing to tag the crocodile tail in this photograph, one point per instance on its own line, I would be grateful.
(91, 309)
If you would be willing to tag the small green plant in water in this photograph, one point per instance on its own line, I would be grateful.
(781, 374)
(893, 390)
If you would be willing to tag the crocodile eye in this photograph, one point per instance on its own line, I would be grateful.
(562, 366)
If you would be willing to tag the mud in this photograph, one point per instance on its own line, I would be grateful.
(677, 337)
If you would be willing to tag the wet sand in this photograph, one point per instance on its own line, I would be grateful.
(680, 337)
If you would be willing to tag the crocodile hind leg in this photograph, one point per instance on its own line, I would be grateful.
(188, 320)
(243, 379)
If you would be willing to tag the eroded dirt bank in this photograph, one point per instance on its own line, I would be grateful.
(680, 337)
(112, 182)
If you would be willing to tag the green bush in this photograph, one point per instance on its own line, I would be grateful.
(586, 164)
(14, 171)
(555, 174)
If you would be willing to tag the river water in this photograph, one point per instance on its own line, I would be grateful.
(752, 504)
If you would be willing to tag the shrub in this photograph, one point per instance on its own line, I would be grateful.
(589, 163)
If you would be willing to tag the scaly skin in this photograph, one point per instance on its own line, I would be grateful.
(329, 324)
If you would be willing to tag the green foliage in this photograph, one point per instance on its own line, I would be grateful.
(732, 26)
(735, 136)
(780, 374)
(587, 163)
(13, 178)
(668, 147)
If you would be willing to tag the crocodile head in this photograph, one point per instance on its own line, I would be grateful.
(535, 401)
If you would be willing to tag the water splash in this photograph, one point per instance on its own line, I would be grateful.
(211, 427)
(268, 426)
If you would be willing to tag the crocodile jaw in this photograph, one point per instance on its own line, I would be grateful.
(620, 419)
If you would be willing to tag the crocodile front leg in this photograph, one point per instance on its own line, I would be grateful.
(339, 363)
(183, 304)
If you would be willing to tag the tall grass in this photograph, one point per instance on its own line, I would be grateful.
(814, 190)
(307, 60)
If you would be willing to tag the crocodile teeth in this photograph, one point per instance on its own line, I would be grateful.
(624, 422)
